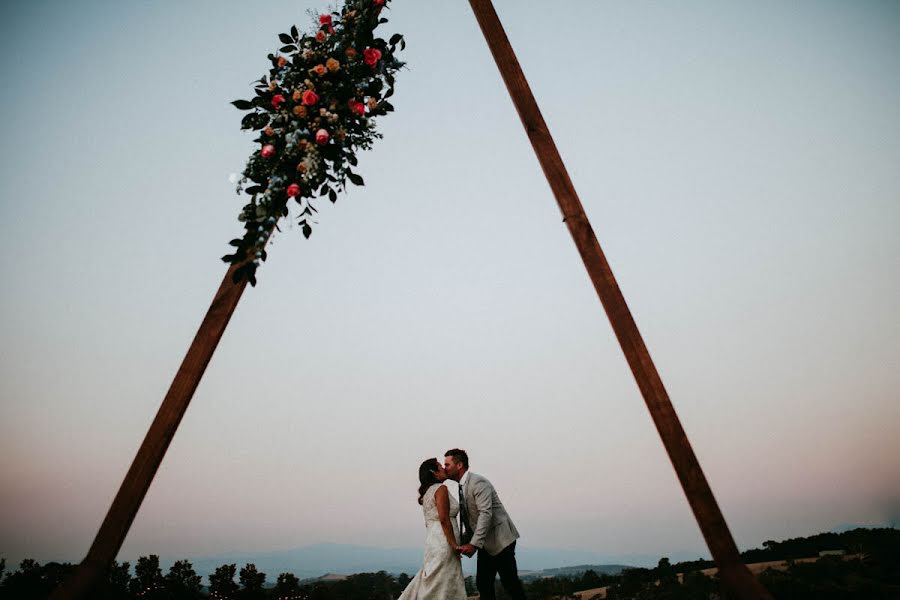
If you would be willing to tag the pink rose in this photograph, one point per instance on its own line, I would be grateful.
(277, 100)
(267, 150)
(372, 56)
(293, 190)
(325, 19)
(310, 98)
(322, 137)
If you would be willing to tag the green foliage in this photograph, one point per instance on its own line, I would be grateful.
(871, 571)
(315, 110)
(471, 588)
(182, 582)
(32, 580)
(287, 585)
(221, 583)
(119, 581)
(252, 582)
(148, 579)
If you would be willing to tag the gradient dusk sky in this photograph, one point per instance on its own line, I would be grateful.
(740, 163)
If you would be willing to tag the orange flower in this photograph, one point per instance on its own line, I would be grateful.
(300, 111)
(351, 53)
(332, 65)
(319, 70)
(320, 36)
(282, 61)
(296, 96)
(269, 131)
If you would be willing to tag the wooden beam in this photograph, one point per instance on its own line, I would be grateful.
(90, 575)
(735, 575)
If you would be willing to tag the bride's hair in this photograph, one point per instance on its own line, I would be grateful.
(426, 476)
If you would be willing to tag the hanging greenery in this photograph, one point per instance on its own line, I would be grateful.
(314, 110)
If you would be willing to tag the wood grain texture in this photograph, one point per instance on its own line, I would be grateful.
(735, 575)
(90, 576)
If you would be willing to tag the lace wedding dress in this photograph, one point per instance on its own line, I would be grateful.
(440, 577)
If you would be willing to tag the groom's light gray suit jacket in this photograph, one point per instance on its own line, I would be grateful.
(492, 529)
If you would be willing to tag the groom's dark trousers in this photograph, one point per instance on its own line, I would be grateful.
(504, 563)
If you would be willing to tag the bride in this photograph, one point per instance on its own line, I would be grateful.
(440, 577)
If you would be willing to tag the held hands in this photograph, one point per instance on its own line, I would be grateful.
(467, 549)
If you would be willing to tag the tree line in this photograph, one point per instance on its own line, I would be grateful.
(872, 572)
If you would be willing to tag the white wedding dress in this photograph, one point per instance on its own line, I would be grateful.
(441, 576)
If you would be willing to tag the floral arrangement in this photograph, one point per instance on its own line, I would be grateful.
(314, 110)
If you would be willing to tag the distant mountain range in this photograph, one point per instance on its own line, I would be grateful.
(314, 561)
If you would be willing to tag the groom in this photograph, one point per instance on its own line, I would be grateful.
(485, 527)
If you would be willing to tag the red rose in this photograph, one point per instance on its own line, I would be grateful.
(320, 36)
(372, 56)
(293, 190)
(322, 137)
(357, 107)
(310, 98)
(325, 19)
(267, 150)
(277, 100)
(378, 2)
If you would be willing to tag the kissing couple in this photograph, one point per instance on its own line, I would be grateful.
(484, 528)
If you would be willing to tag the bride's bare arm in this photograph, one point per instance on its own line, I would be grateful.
(442, 499)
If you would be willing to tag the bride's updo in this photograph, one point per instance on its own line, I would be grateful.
(427, 476)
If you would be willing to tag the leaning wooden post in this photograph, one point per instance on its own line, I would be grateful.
(92, 571)
(734, 574)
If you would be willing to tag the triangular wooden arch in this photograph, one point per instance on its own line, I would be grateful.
(735, 576)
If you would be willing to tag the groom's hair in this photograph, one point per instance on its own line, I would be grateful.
(459, 456)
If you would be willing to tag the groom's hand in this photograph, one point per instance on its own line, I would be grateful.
(468, 549)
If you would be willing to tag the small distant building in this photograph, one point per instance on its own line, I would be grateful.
(832, 553)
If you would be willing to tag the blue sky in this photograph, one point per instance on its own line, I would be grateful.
(738, 163)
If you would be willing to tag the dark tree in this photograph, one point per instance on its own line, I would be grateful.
(119, 581)
(221, 583)
(471, 588)
(26, 583)
(148, 579)
(183, 582)
(251, 582)
(403, 580)
(287, 585)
